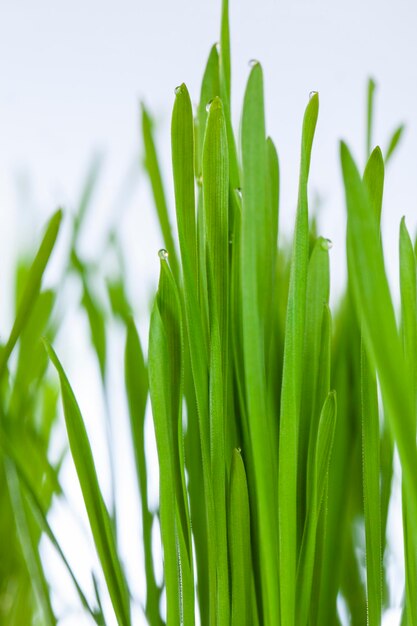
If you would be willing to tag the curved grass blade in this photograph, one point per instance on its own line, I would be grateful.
(29, 548)
(32, 288)
(40, 516)
(292, 379)
(375, 310)
(98, 515)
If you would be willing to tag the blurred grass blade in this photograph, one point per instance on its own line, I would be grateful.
(29, 548)
(88, 190)
(292, 379)
(374, 180)
(394, 142)
(40, 516)
(96, 509)
(408, 290)
(370, 115)
(32, 288)
(371, 491)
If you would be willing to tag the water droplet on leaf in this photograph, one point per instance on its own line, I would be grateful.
(326, 244)
(163, 254)
(253, 62)
(208, 105)
(312, 93)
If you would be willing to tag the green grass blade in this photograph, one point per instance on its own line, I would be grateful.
(155, 178)
(291, 379)
(239, 545)
(225, 91)
(215, 198)
(371, 491)
(90, 186)
(409, 333)
(197, 340)
(225, 65)
(317, 294)
(272, 216)
(374, 180)
(210, 88)
(96, 509)
(32, 288)
(182, 140)
(29, 548)
(376, 313)
(158, 357)
(136, 378)
(166, 381)
(40, 516)
(324, 445)
(253, 218)
(370, 115)
(216, 211)
(394, 142)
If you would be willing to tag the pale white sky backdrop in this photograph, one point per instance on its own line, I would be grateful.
(73, 73)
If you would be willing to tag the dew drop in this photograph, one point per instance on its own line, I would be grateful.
(200, 181)
(177, 90)
(239, 192)
(218, 47)
(239, 450)
(163, 254)
(312, 93)
(326, 244)
(208, 105)
(253, 62)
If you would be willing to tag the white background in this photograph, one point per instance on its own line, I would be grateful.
(72, 74)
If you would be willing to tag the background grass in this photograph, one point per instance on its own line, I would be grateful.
(276, 420)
